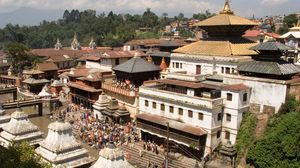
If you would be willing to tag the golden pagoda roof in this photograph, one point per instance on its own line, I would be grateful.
(225, 48)
(226, 18)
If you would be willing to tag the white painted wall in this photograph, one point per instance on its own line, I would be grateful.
(91, 64)
(263, 91)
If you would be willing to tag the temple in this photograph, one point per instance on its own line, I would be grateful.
(221, 51)
(116, 113)
(292, 39)
(100, 105)
(61, 149)
(20, 129)
(112, 157)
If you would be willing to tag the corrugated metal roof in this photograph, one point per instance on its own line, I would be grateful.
(136, 65)
(270, 46)
(266, 67)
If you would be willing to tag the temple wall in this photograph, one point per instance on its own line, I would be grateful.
(264, 92)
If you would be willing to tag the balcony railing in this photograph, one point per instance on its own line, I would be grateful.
(183, 98)
(119, 90)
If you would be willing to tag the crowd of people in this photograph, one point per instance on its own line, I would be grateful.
(97, 132)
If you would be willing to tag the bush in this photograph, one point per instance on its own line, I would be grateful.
(280, 146)
(246, 134)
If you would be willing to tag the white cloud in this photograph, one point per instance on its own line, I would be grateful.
(159, 6)
(273, 2)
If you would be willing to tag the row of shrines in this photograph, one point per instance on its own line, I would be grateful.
(202, 89)
(59, 148)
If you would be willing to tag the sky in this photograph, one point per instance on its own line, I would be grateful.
(30, 12)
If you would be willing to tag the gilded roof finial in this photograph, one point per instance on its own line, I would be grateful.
(226, 9)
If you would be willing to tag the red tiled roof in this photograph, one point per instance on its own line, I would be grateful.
(256, 33)
(122, 54)
(93, 58)
(47, 66)
(82, 86)
(237, 87)
(172, 124)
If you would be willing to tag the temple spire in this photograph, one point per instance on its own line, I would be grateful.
(75, 45)
(226, 9)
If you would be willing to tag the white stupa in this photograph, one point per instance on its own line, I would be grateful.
(4, 119)
(45, 93)
(111, 157)
(100, 105)
(61, 149)
(19, 129)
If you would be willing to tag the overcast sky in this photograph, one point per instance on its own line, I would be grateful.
(241, 7)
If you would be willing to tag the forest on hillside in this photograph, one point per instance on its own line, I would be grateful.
(107, 29)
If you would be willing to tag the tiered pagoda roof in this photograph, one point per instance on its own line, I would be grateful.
(269, 61)
(19, 129)
(136, 65)
(225, 32)
(61, 149)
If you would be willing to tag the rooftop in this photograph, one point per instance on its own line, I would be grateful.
(47, 66)
(136, 65)
(219, 47)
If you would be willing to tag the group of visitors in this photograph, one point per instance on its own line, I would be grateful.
(96, 132)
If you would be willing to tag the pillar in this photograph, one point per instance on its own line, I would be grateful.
(40, 109)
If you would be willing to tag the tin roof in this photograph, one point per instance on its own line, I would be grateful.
(279, 67)
(270, 46)
(136, 65)
(172, 124)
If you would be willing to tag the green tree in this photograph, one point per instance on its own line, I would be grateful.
(203, 16)
(19, 57)
(20, 156)
(288, 22)
(280, 145)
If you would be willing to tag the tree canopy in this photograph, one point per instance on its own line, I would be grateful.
(288, 22)
(109, 29)
(20, 156)
(280, 146)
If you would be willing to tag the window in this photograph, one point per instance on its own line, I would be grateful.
(245, 97)
(200, 116)
(177, 65)
(146, 103)
(229, 96)
(173, 65)
(227, 70)
(222, 70)
(180, 111)
(228, 117)
(198, 69)
(171, 109)
(162, 107)
(180, 65)
(232, 70)
(218, 134)
(190, 113)
(219, 116)
(154, 105)
(227, 135)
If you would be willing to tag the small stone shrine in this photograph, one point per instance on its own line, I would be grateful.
(20, 129)
(111, 157)
(116, 113)
(61, 149)
(100, 105)
(228, 153)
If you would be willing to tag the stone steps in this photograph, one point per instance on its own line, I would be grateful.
(153, 158)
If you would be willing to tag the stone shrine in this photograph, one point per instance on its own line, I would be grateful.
(20, 129)
(111, 157)
(100, 105)
(61, 149)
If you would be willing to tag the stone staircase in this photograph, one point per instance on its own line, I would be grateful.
(156, 159)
